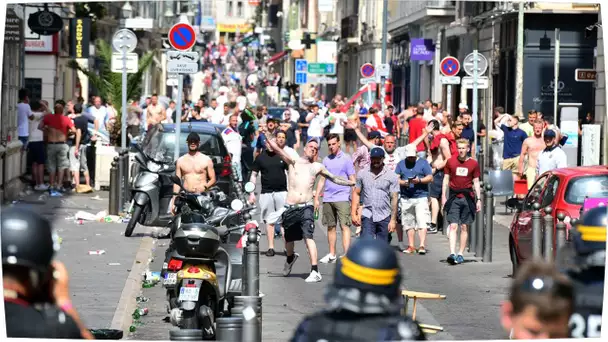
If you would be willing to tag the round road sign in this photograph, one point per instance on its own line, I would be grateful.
(449, 66)
(124, 40)
(182, 36)
(468, 64)
(367, 70)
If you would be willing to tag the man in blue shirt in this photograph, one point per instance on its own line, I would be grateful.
(513, 141)
(415, 174)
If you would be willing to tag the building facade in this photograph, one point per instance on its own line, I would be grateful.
(233, 17)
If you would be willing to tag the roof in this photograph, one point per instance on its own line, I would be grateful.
(582, 171)
(198, 127)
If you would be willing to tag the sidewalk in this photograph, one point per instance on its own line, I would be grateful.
(97, 282)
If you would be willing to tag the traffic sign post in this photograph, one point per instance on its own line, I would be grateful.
(368, 71)
(124, 41)
(301, 75)
(321, 68)
(475, 65)
(449, 68)
(182, 38)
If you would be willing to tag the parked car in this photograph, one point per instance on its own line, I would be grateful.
(564, 190)
(211, 145)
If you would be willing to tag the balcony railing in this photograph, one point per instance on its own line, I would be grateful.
(411, 7)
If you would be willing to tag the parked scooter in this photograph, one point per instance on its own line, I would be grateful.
(205, 276)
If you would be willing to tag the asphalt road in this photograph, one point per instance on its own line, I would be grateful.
(470, 311)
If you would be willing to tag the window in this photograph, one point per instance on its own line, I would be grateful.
(229, 9)
(239, 9)
(549, 194)
(534, 193)
(587, 186)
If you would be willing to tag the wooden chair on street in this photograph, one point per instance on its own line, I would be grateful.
(415, 296)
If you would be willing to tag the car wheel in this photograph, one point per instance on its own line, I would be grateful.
(514, 259)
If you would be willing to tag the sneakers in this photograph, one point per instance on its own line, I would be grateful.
(459, 259)
(421, 250)
(41, 187)
(270, 252)
(288, 266)
(432, 229)
(410, 250)
(328, 259)
(451, 259)
(314, 277)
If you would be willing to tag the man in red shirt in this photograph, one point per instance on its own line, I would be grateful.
(57, 127)
(460, 202)
(417, 125)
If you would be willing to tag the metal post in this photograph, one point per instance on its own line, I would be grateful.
(127, 180)
(519, 67)
(489, 232)
(475, 97)
(556, 76)
(253, 264)
(178, 110)
(250, 309)
(548, 238)
(560, 235)
(229, 329)
(113, 205)
(121, 180)
(384, 39)
(123, 121)
(449, 98)
(536, 232)
(479, 223)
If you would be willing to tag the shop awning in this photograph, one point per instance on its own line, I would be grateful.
(278, 57)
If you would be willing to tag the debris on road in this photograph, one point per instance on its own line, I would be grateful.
(139, 312)
(99, 252)
(141, 299)
(97, 198)
(114, 264)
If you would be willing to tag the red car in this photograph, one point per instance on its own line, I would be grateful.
(565, 191)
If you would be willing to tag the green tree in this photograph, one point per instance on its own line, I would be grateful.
(109, 84)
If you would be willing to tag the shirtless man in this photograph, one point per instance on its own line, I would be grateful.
(297, 216)
(57, 127)
(531, 148)
(155, 112)
(195, 169)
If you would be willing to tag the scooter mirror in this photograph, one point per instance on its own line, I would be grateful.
(236, 205)
(249, 187)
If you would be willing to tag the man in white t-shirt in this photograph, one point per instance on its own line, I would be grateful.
(208, 113)
(336, 121)
(100, 113)
(232, 140)
(316, 122)
(241, 101)
(36, 148)
(223, 98)
(24, 114)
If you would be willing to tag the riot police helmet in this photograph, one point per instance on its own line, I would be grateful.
(589, 237)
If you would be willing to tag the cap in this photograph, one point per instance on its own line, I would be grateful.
(410, 150)
(463, 106)
(550, 133)
(373, 135)
(376, 152)
(193, 137)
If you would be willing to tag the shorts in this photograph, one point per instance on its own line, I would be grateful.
(378, 230)
(350, 135)
(336, 211)
(511, 164)
(435, 188)
(460, 212)
(37, 152)
(79, 163)
(530, 174)
(298, 222)
(57, 154)
(24, 141)
(415, 213)
(271, 204)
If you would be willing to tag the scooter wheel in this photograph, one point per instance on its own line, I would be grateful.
(133, 221)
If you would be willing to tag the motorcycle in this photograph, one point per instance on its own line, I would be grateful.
(202, 291)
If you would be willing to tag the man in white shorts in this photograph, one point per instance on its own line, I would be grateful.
(415, 174)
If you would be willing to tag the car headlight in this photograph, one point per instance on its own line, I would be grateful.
(152, 166)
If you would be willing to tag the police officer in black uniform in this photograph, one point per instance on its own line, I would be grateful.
(364, 301)
(36, 299)
(586, 270)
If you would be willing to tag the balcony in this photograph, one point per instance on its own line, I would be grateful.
(349, 27)
(409, 12)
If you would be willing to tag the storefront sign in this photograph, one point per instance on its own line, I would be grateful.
(80, 37)
(35, 42)
(13, 29)
(233, 28)
(45, 23)
(422, 49)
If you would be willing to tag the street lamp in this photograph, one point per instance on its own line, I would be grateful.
(127, 10)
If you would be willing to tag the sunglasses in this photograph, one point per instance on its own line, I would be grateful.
(542, 285)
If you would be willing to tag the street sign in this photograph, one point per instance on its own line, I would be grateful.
(322, 68)
(469, 61)
(483, 82)
(585, 75)
(182, 56)
(383, 70)
(449, 66)
(182, 67)
(367, 80)
(301, 65)
(182, 36)
(301, 77)
(449, 80)
(124, 41)
(367, 70)
(321, 79)
(132, 62)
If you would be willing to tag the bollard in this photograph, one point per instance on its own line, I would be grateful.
(185, 335)
(120, 165)
(560, 234)
(127, 179)
(249, 308)
(479, 223)
(536, 232)
(253, 264)
(229, 329)
(114, 189)
(489, 231)
(548, 235)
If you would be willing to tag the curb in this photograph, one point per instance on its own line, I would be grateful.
(127, 304)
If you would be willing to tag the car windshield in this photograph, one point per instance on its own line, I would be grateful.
(587, 186)
(160, 145)
(276, 112)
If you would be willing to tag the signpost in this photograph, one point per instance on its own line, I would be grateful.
(475, 65)
(449, 67)
(182, 38)
(124, 41)
(322, 79)
(322, 68)
(301, 75)
(368, 71)
(585, 75)
(132, 60)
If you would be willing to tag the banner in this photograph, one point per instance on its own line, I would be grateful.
(80, 37)
(422, 49)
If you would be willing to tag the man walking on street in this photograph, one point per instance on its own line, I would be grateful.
(336, 198)
(298, 215)
(461, 198)
(378, 188)
(531, 149)
(232, 140)
(514, 139)
(552, 157)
